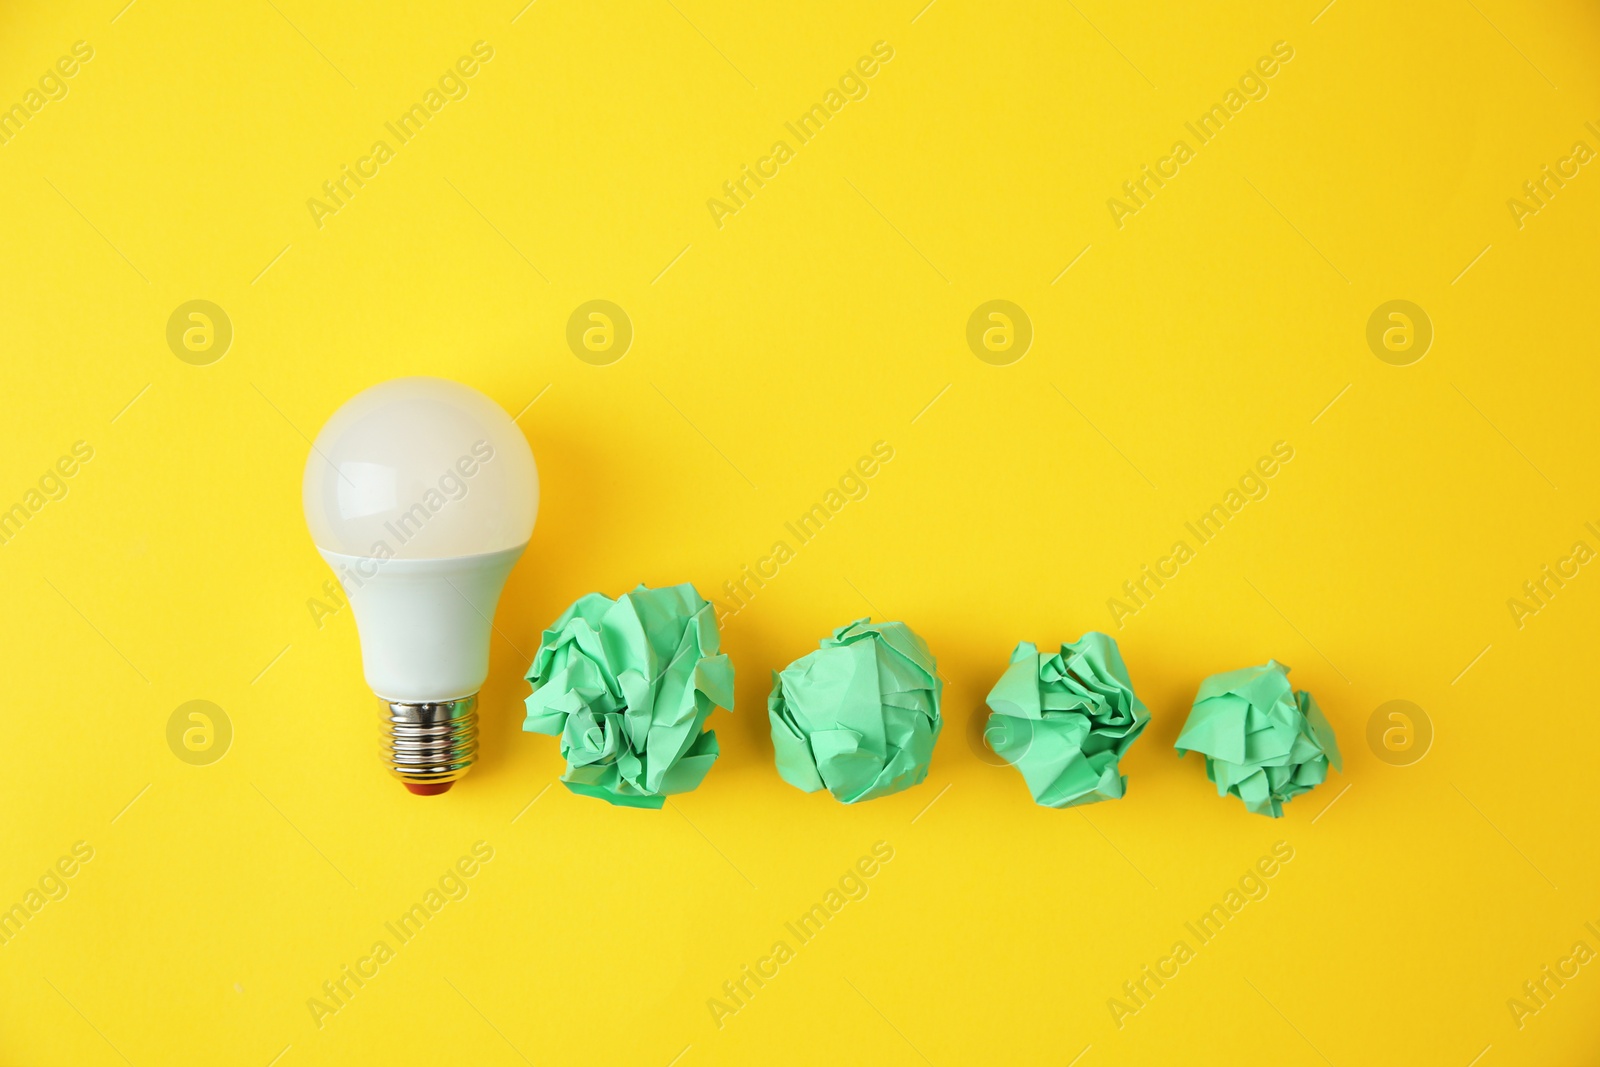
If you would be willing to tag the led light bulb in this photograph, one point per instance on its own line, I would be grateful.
(421, 494)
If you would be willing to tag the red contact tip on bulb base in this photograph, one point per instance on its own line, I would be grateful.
(429, 789)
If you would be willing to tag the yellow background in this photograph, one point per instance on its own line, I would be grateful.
(768, 356)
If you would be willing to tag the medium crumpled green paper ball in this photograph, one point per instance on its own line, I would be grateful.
(859, 715)
(1066, 719)
(1264, 741)
(627, 685)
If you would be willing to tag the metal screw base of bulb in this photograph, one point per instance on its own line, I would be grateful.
(428, 746)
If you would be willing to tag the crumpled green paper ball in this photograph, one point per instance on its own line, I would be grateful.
(627, 684)
(1264, 741)
(1065, 719)
(859, 715)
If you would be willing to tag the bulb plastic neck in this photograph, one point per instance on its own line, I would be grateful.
(428, 746)
(424, 624)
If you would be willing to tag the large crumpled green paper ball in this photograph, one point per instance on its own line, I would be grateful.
(627, 684)
(859, 715)
(1264, 741)
(1065, 720)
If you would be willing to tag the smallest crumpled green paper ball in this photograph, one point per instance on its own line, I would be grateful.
(627, 684)
(1065, 720)
(859, 715)
(1264, 741)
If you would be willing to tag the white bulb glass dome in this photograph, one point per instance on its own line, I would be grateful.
(420, 468)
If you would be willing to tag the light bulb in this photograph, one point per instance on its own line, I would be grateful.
(421, 494)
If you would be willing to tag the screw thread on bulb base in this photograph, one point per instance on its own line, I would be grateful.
(430, 745)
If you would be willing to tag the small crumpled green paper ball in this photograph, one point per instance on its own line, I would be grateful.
(627, 684)
(1264, 741)
(859, 715)
(1066, 719)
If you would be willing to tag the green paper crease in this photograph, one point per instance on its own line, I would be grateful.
(860, 715)
(1066, 719)
(627, 685)
(1264, 741)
